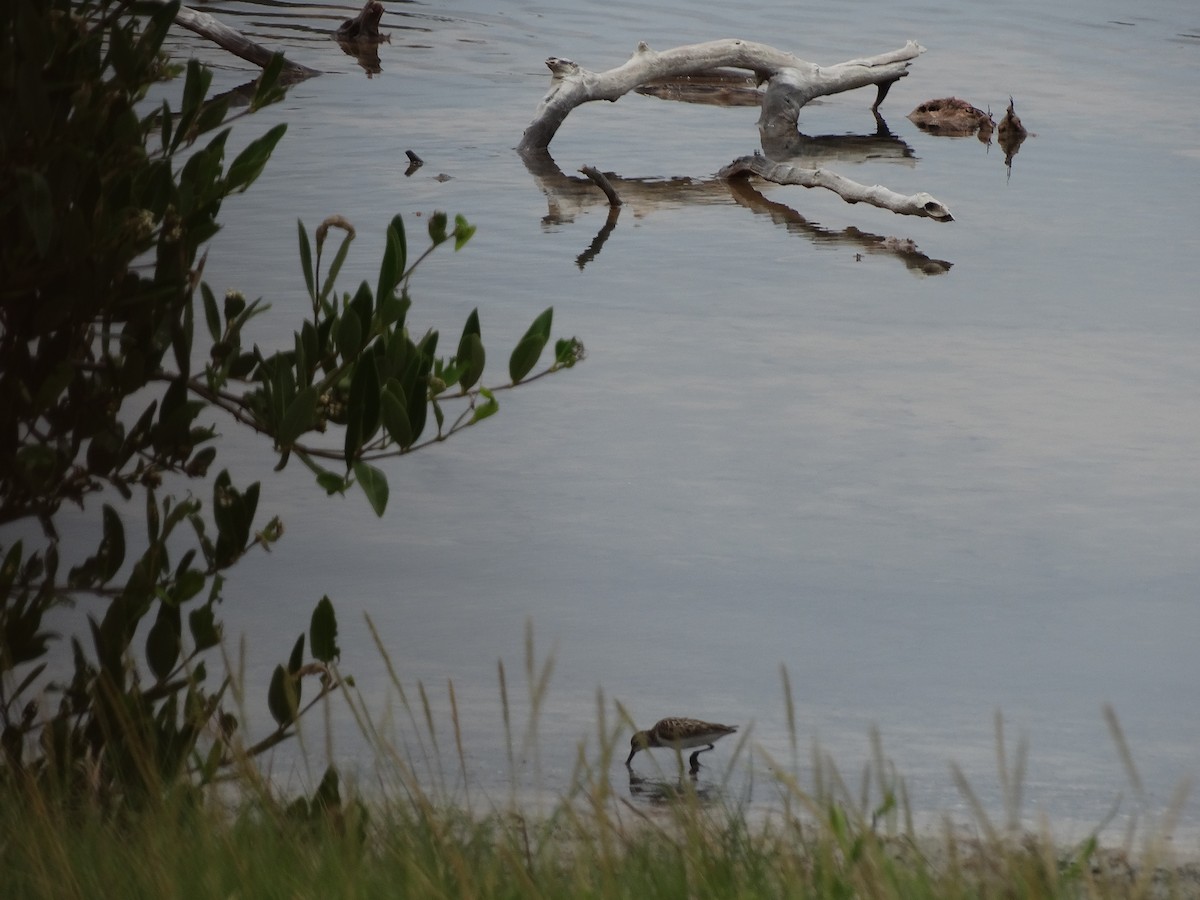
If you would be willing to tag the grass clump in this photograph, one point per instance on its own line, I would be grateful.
(669, 836)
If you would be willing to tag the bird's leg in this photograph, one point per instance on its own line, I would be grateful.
(694, 761)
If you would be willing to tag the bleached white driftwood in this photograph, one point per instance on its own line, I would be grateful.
(920, 204)
(791, 81)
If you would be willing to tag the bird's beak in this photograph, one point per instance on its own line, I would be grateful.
(632, 754)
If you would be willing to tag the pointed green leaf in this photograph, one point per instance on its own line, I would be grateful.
(281, 697)
(211, 315)
(306, 264)
(364, 397)
(541, 325)
(336, 266)
(525, 356)
(299, 417)
(471, 356)
(112, 547)
(296, 660)
(395, 257)
(251, 161)
(374, 485)
(474, 358)
(203, 625)
(488, 408)
(331, 483)
(163, 641)
(437, 228)
(322, 632)
(395, 417)
(349, 334)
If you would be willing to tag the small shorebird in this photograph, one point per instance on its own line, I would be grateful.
(679, 734)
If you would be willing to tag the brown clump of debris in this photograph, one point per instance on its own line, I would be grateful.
(1011, 133)
(364, 26)
(952, 116)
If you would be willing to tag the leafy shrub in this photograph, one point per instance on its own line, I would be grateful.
(103, 387)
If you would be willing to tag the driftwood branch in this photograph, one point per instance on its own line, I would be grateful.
(920, 204)
(235, 42)
(791, 81)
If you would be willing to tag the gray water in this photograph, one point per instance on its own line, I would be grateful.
(931, 497)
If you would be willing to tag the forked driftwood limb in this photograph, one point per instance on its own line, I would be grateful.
(920, 204)
(791, 81)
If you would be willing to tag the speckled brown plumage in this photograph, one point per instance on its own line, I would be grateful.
(679, 733)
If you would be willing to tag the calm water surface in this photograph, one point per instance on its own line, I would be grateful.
(930, 497)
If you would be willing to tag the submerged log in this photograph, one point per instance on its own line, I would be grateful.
(791, 81)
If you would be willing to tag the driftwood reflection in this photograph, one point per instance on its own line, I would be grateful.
(903, 249)
(716, 87)
(569, 196)
(787, 144)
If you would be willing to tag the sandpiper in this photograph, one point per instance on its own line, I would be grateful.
(679, 734)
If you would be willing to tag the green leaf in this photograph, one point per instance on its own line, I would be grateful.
(336, 265)
(250, 162)
(374, 485)
(195, 87)
(268, 90)
(525, 356)
(331, 482)
(462, 232)
(395, 257)
(188, 584)
(488, 408)
(211, 315)
(296, 660)
(281, 697)
(395, 416)
(299, 417)
(112, 547)
(163, 641)
(322, 632)
(541, 325)
(471, 356)
(529, 348)
(474, 358)
(364, 308)
(437, 228)
(306, 264)
(349, 335)
(568, 351)
(363, 406)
